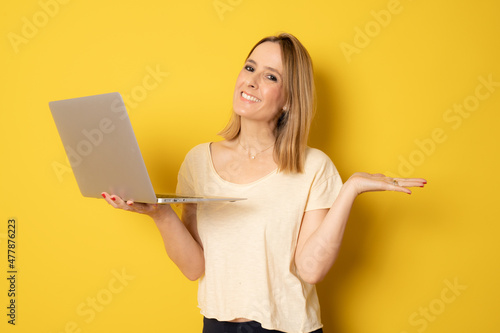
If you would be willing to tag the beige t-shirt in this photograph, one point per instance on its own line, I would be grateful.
(249, 245)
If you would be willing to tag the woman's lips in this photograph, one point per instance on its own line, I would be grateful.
(250, 98)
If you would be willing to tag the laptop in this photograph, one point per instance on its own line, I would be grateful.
(103, 152)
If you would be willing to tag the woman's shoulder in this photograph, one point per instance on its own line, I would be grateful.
(316, 155)
(197, 152)
(317, 159)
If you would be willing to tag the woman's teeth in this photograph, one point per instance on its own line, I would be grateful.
(249, 98)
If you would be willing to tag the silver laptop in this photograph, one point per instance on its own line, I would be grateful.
(103, 152)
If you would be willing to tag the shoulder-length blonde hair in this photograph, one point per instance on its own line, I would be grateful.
(292, 128)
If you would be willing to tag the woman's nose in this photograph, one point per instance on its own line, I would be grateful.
(251, 81)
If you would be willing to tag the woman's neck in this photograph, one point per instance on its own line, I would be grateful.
(255, 135)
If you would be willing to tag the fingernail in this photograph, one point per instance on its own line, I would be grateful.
(130, 203)
(103, 195)
(425, 182)
(422, 186)
(113, 198)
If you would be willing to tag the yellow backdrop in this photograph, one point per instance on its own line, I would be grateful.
(407, 88)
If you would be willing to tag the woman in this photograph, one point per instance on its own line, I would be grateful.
(259, 259)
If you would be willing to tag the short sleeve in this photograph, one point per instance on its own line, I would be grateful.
(185, 185)
(325, 187)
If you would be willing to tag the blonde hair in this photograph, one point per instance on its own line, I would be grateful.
(292, 128)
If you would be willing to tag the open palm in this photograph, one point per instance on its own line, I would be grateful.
(366, 182)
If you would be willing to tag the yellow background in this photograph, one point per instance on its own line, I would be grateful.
(400, 252)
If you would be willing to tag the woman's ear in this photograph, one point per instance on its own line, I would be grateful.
(283, 117)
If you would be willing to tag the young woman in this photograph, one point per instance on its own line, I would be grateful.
(258, 260)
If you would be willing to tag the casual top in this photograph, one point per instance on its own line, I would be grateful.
(249, 245)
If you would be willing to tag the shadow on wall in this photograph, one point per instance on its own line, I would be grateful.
(326, 119)
(353, 253)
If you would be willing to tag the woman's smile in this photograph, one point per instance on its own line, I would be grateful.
(258, 93)
(249, 97)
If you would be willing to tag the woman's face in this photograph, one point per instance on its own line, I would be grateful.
(258, 94)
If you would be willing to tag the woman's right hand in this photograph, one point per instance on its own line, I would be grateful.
(155, 211)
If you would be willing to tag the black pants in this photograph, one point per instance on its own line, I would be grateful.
(215, 326)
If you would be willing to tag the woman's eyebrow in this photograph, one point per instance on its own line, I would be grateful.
(266, 67)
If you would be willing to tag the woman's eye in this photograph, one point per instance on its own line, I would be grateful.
(249, 68)
(272, 78)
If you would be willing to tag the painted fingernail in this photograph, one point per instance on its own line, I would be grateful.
(103, 195)
(113, 198)
(425, 182)
(130, 203)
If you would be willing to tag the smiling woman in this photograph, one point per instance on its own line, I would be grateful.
(284, 68)
(258, 260)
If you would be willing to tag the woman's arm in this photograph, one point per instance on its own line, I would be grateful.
(180, 237)
(182, 242)
(322, 230)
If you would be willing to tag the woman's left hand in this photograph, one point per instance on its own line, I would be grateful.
(366, 182)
